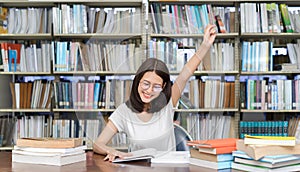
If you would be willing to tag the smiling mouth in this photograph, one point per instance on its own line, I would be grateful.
(146, 95)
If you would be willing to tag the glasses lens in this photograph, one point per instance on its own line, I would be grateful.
(146, 85)
(157, 88)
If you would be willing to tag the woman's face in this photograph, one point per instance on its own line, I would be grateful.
(150, 86)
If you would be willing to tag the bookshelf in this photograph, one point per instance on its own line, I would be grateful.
(162, 28)
(263, 110)
(154, 29)
(63, 31)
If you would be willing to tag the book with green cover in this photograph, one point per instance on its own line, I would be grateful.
(286, 18)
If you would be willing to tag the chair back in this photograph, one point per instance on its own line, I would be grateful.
(181, 137)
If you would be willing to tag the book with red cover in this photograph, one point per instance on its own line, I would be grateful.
(217, 150)
(213, 143)
(214, 146)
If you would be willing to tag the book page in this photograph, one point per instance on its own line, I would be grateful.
(147, 153)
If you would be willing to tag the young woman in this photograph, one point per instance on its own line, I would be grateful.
(147, 117)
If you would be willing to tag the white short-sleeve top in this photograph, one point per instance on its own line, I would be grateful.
(156, 133)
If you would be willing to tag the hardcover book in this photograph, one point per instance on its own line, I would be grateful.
(49, 142)
(217, 150)
(210, 157)
(247, 167)
(214, 143)
(259, 151)
(265, 164)
(210, 164)
(214, 146)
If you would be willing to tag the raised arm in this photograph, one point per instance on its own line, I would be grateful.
(190, 67)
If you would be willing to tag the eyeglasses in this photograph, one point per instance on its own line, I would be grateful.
(145, 85)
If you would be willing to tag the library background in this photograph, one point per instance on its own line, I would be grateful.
(66, 65)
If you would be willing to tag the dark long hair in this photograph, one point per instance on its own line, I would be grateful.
(135, 102)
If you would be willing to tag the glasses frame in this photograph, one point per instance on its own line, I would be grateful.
(145, 85)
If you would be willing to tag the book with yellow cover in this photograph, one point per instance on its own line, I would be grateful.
(270, 140)
(49, 142)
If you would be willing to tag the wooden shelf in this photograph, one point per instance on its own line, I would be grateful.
(221, 35)
(265, 111)
(25, 110)
(41, 36)
(271, 73)
(25, 73)
(99, 36)
(207, 110)
(91, 73)
(83, 110)
(87, 2)
(270, 35)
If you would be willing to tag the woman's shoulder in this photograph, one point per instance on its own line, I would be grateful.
(123, 107)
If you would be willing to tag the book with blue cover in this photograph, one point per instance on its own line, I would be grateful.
(210, 164)
(273, 159)
(247, 167)
(266, 164)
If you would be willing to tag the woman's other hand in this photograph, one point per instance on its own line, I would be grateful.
(113, 154)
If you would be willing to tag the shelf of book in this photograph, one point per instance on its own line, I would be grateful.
(18, 76)
(274, 69)
(166, 31)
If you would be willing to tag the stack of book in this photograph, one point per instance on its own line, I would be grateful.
(49, 151)
(214, 154)
(266, 157)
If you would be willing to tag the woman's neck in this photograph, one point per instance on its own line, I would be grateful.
(146, 107)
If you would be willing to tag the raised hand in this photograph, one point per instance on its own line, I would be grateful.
(210, 34)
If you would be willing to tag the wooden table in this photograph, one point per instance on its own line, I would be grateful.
(95, 163)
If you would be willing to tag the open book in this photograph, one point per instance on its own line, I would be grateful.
(155, 156)
(142, 154)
